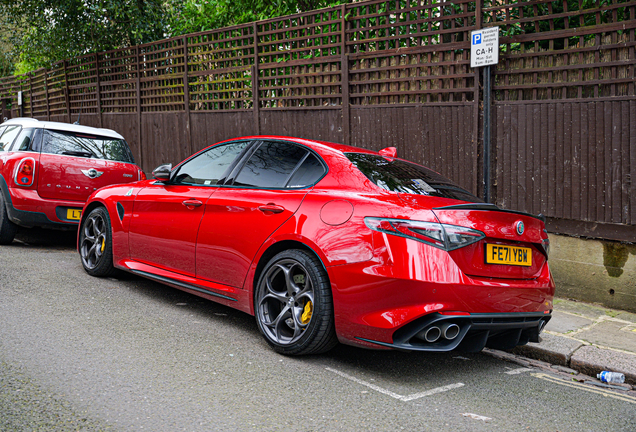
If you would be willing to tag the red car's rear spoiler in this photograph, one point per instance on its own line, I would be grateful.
(489, 207)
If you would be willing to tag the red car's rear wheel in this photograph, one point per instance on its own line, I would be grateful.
(294, 306)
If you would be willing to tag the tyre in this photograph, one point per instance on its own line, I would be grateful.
(294, 306)
(96, 243)
(7, 228)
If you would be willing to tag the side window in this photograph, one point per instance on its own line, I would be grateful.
(271, 165)
(209, 167)
(24, 140)
(8, 136)
(308, 173)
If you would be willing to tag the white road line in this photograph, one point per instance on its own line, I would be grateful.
(476, 416)
(395, 395)
(518, 371)
(432, 392)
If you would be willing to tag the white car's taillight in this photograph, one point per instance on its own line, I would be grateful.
(443, 236)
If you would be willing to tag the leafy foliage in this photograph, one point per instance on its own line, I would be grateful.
(7, 60)
(51, 30)
(190, 16)
(46, 31)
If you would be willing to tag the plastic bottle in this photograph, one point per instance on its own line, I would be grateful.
(611, 377)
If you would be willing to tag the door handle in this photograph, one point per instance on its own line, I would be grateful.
(190, 203)
(272, 208)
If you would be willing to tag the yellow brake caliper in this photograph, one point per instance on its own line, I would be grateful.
(103, 244)
(306, 316)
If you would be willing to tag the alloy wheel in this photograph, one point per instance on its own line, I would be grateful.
(286, 301)
(94, 240)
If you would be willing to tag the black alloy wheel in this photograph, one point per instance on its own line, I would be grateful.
(294, 306)
(96, 244)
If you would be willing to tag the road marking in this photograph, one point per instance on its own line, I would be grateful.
(461, 358)
(518, 371)
(395, 395)
(476, 416)
(432, 392)
(581, 386)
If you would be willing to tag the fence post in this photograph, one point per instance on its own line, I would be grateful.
(3, 105)
(98, 90)
(255, 97)
(46, 94)
(31, 95)
(256, 101)
(346, 109)
(66, 97)
(344, 78)
(186, 94)
(141, 147)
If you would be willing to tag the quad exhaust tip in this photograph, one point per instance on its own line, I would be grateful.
(432, 334)
(449, 330)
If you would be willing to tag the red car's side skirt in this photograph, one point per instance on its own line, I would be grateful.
(230, 296)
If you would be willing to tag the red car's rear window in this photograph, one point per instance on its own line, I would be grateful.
(400, 176)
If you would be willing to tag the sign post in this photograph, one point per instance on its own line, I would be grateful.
(484, 51)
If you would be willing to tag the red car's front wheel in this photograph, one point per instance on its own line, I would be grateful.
(95, 240)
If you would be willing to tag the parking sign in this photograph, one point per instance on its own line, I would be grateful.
(484, 47)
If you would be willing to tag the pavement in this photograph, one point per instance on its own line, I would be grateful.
(584, 339)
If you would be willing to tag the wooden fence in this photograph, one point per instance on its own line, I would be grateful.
(390, 73)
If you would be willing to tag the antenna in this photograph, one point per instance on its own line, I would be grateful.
(78, 117)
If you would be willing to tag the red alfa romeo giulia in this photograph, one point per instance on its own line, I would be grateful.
(325, 242)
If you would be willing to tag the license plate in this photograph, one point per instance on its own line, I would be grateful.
(73, 214)
(508, 255)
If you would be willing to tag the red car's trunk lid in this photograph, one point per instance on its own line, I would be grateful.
(512, 247)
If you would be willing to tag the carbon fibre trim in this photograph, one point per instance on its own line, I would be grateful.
(167, 280)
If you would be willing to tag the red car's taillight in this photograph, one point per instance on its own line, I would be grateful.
(443, 236)
(141, 175)
(545, 243)
(25, 172)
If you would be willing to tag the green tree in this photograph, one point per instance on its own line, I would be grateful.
(190, 16)
(51, 30)
(7, 48)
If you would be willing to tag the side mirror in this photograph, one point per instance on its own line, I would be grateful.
(162, 172)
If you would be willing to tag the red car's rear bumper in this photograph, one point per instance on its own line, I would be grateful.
(393, 306)
(26, 208)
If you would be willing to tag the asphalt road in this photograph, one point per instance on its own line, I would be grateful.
(127, 354)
